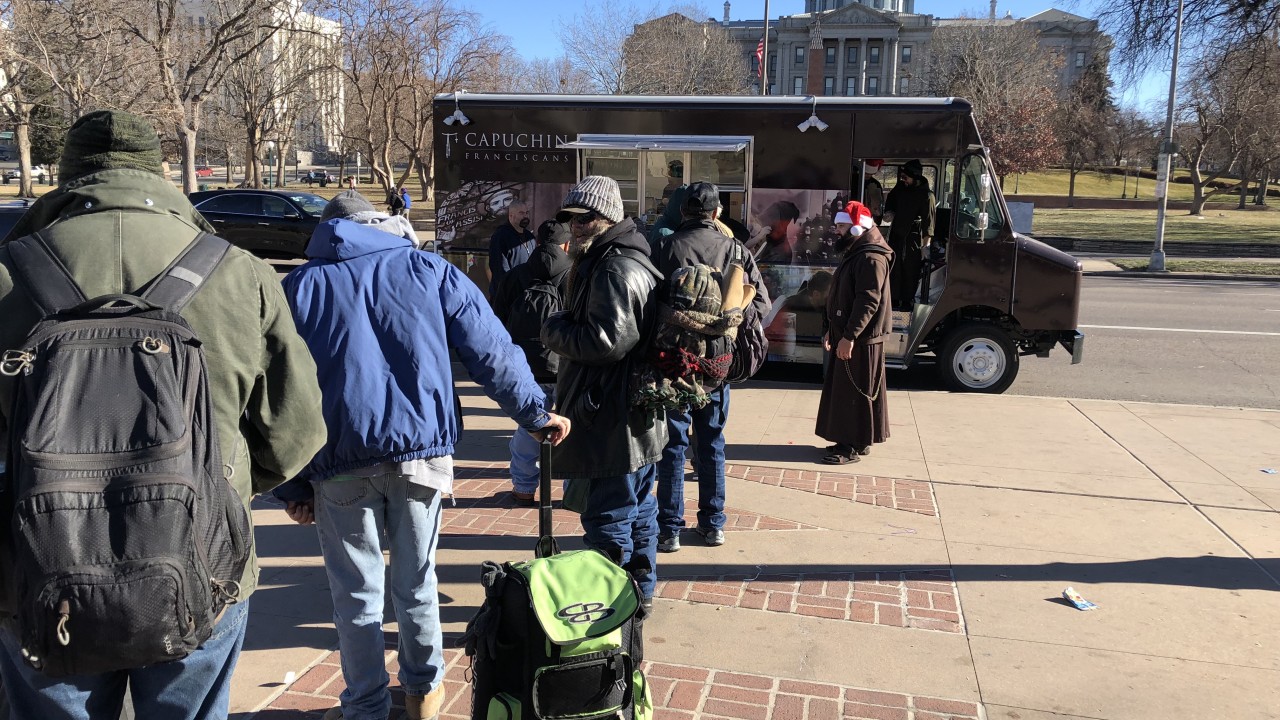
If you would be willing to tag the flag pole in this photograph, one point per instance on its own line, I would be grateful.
(764, 58)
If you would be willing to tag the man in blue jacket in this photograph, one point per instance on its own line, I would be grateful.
(380, 318)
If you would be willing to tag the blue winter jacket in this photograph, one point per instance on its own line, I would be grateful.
(380, 318)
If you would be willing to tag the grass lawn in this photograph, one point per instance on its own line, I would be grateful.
(1228, 267)
(1099, 185)
(1244, 226)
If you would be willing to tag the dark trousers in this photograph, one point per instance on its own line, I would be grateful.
(904, 277)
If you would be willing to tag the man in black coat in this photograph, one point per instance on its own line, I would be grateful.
(511, 244)
(601, 336)
(909, 209)
(698, 242)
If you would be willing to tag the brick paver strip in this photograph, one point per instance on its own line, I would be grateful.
(678, 691)
(910, 495)
(924, 600)
(483, 508)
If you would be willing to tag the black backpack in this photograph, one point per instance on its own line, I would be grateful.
(525, 320)
(125, 537)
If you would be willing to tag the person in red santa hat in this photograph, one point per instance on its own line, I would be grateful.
(853, 412)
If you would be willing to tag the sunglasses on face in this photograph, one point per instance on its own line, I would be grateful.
(585, 217)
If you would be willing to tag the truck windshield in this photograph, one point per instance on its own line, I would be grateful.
(970, 205)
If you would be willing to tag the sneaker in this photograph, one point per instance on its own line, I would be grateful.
(711, 536)
(647, 606)
(523, 499)
(424, 707)
(669, 542)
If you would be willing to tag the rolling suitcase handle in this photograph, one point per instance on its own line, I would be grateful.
(546, 536)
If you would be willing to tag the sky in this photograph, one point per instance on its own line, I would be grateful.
(534, 25)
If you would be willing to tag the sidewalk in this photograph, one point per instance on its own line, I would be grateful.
(923, 583)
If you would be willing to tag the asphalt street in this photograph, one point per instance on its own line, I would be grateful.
(1174, 341)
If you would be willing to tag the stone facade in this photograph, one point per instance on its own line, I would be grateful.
(881, 47)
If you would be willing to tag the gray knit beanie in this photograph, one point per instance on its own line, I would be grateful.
(593, 192)
(345, 204)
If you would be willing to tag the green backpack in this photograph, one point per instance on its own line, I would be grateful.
(559, 637)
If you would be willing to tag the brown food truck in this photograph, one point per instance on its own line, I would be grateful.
(784, 165)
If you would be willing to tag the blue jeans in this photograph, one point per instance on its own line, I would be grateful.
(352, 514)
(525, 452)
(708, 431)
(621, 520)
(197, 687)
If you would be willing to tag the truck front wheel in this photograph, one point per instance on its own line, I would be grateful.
(978, 358)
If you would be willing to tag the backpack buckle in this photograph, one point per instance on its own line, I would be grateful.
(16, 362)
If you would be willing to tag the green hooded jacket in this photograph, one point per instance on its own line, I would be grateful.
(116, 230)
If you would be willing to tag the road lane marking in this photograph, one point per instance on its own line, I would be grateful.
(1180, 330)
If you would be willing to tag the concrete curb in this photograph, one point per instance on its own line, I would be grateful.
(1182, 276)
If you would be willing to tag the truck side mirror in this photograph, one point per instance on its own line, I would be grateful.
(984, 188)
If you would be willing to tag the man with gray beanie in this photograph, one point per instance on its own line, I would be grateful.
(600, 339)
(381, 318)
(115, 224)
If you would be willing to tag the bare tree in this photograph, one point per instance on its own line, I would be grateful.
(1012, 83)
(1082, 122)
(24, 90)
(676, 55)
(594, 41)
(83, 54)
(1143, 29)
(190, 56)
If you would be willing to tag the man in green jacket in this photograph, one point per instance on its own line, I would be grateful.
(116, 222)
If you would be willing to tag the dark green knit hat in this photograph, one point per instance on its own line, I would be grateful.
(110, 140)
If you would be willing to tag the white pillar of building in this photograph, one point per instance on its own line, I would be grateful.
(893, 66)
(841, 52)
(863, 52)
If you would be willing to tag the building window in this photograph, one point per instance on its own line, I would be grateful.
(853, 55)
(773, 88)
(773, 62)
(878, 4)
(1080, 59)
(873, 55)
(797, 86)
(906, 54)
(831, 55)
(903, 86)
(829, 86)
(755, 65)
(873, 86)
(851, 86)
(800, 54)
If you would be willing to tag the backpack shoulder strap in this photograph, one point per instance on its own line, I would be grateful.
(45, 278)
(175, 287)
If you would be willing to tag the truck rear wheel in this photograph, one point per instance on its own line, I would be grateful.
(978, 358)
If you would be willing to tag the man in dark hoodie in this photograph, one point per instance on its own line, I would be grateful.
(381, 317)
(699, 242)
(909, 209)
(603, 333)
(524, 300)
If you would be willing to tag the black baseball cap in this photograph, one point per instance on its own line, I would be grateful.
(702, 197)
(554, 233)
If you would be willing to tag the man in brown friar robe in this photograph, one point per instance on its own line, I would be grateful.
(853, 412)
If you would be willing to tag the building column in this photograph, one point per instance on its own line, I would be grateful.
(884, 65)
(893, 67)
(862, 71)
(840, 63)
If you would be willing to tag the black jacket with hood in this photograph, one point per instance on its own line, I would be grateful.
(548, 265)
(698, 242)
(611, 308)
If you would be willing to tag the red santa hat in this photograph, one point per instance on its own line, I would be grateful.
(859, 214)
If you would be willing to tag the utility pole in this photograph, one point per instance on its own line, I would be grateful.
(764, 55)
(1167, 151)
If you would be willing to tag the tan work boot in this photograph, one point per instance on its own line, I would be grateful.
(424, 707)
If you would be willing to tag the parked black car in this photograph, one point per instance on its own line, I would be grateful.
(267, 223)
(10, 212)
